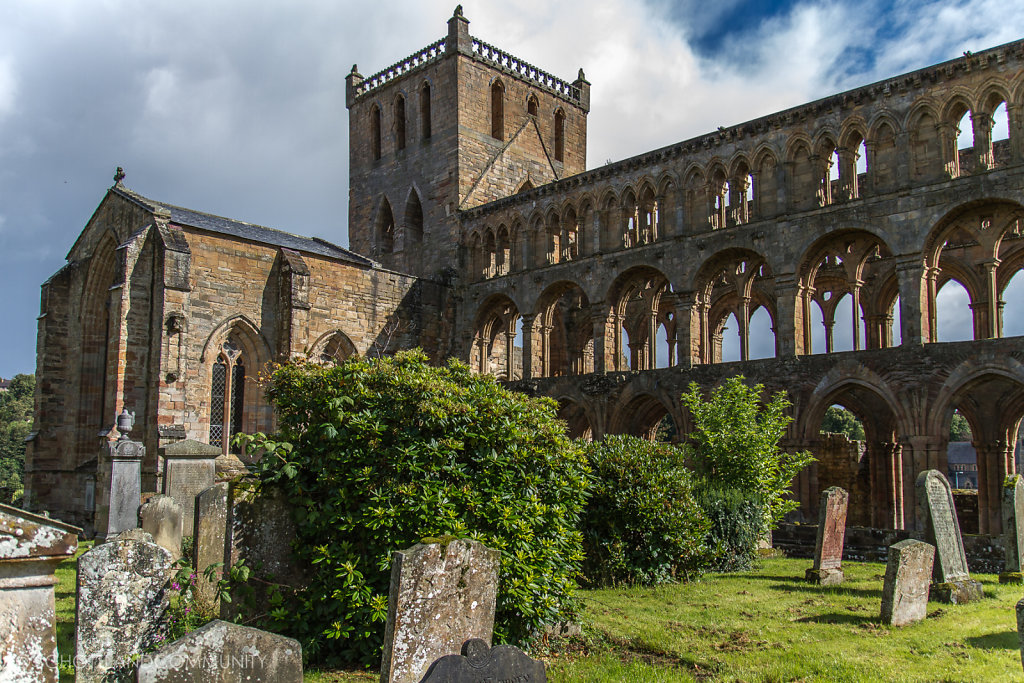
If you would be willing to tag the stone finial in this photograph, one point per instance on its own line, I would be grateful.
(125, 422)
(458, 11)
(355, 69)
(581, 76)
(118, 175)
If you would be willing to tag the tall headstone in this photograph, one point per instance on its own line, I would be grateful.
(442, 594)
(31, 547)
(951, 581)
(121, 600)
(479, 662)
(828, 550)
(1013, 529)
(161, 516)
(189, 468)
(211, 515)
(908, 577)
(118, 507)
(221, 651)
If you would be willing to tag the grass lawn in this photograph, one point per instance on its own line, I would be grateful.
(763, 625)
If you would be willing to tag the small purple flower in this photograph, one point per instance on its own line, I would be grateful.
(175, 585)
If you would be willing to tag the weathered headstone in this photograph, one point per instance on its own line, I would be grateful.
(133, 535)
(442, 594)
(189, 468)
(828, 550)
(1013, 529)
(908, 577)
(221, 651)
(30, 549)
(121, 599)
(951, 581)
(122, 492)
(479, 662)
(161, 516)
(211, 515)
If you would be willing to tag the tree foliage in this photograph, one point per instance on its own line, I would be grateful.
(839, 420)
(736, 443)
(959, 428)
(15, 425)
(375, 455)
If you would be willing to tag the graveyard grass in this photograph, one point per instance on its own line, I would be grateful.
(770, 625)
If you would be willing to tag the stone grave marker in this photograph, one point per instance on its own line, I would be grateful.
(118, 507)
(1013, 529)
(908, 577)
(189, 468)
(161, 516)
(211, 515)
(31, 547)
(479, 662)
(221, 651)
(828, 549)
(121, 599)
(951, 581)
(442, 594)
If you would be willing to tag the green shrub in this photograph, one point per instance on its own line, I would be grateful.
(642, 524)
(736, 525)
(375, 455)
(736, 443)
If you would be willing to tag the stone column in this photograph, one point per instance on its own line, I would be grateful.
(789, 334)
(510, 357)
(743, 320)
(995, 463)
(855, 294)
(991, 327)
(599, 320)
(981, 123)
(847, 174)
(913, 302)
(528, 345)
(31, 547)
(687, 333)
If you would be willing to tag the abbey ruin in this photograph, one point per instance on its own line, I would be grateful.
(477, 232)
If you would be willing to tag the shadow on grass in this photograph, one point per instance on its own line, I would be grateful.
(839, 618)
(1007, 640)
(827, 590)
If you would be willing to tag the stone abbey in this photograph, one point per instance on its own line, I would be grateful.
(477, 232)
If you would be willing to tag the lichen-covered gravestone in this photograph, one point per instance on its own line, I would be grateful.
(1013, 529)
(221, 652)
(121, 600)
(952, 582)
(828, 550)
(211, 518)
(120, 490)
(189, 469)
(478, 663)
(908, 578)
(30, 549)
(442, 594)
(161, 516)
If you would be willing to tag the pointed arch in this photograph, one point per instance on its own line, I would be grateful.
(384, 227)
(413, 217)
(498, 110)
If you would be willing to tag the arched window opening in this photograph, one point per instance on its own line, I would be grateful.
(527, 185)
(385, 228)
(559, 135)
(840, 420)
(730, 340)
(663, 353)
(227, 395)
(818, 330)
(400, 123)
(498, 111)
(896, 326)
(954, 320)
(964, 143)
(1000, 136)
(375, 132)
(337, 348)
(862, 161)
(532, 108)
(761, 335)
(1013, 309)
(626, 357)
(425, 130)
(962, 463)
(842, 324)
(413, 218)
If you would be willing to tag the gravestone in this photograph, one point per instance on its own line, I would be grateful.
(221, 651)
(828, 549)
(951, 581)
(121, 599)
(908, 576)
(1013, 529)
(133, 535)
(31, 547)
(189, 468)
(442, 594)
(211, 515)
(161, 516)
(122, 494)
(479, 663)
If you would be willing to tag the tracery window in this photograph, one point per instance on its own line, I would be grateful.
(227, 396)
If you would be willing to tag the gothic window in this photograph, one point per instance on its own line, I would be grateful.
(559, 135)
(425, 111)
(498, 111)
(414, 218)
(532, 108)
(227, 396)
(385, 228)
(400, 123)
(375, 132)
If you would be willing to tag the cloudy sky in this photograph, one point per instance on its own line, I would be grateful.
(237, 108)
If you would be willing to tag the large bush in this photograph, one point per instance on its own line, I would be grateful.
(642, 524)
(736, 443)
(737, 522)
(375, 455)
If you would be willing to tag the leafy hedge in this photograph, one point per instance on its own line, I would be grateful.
(736, 523)
(642, 524)
(375, 455)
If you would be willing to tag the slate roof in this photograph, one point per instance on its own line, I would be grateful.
(246, 231)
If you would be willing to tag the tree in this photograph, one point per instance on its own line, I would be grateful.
(959, 428)
(736, 443)
(839, 420)
(15, 425)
